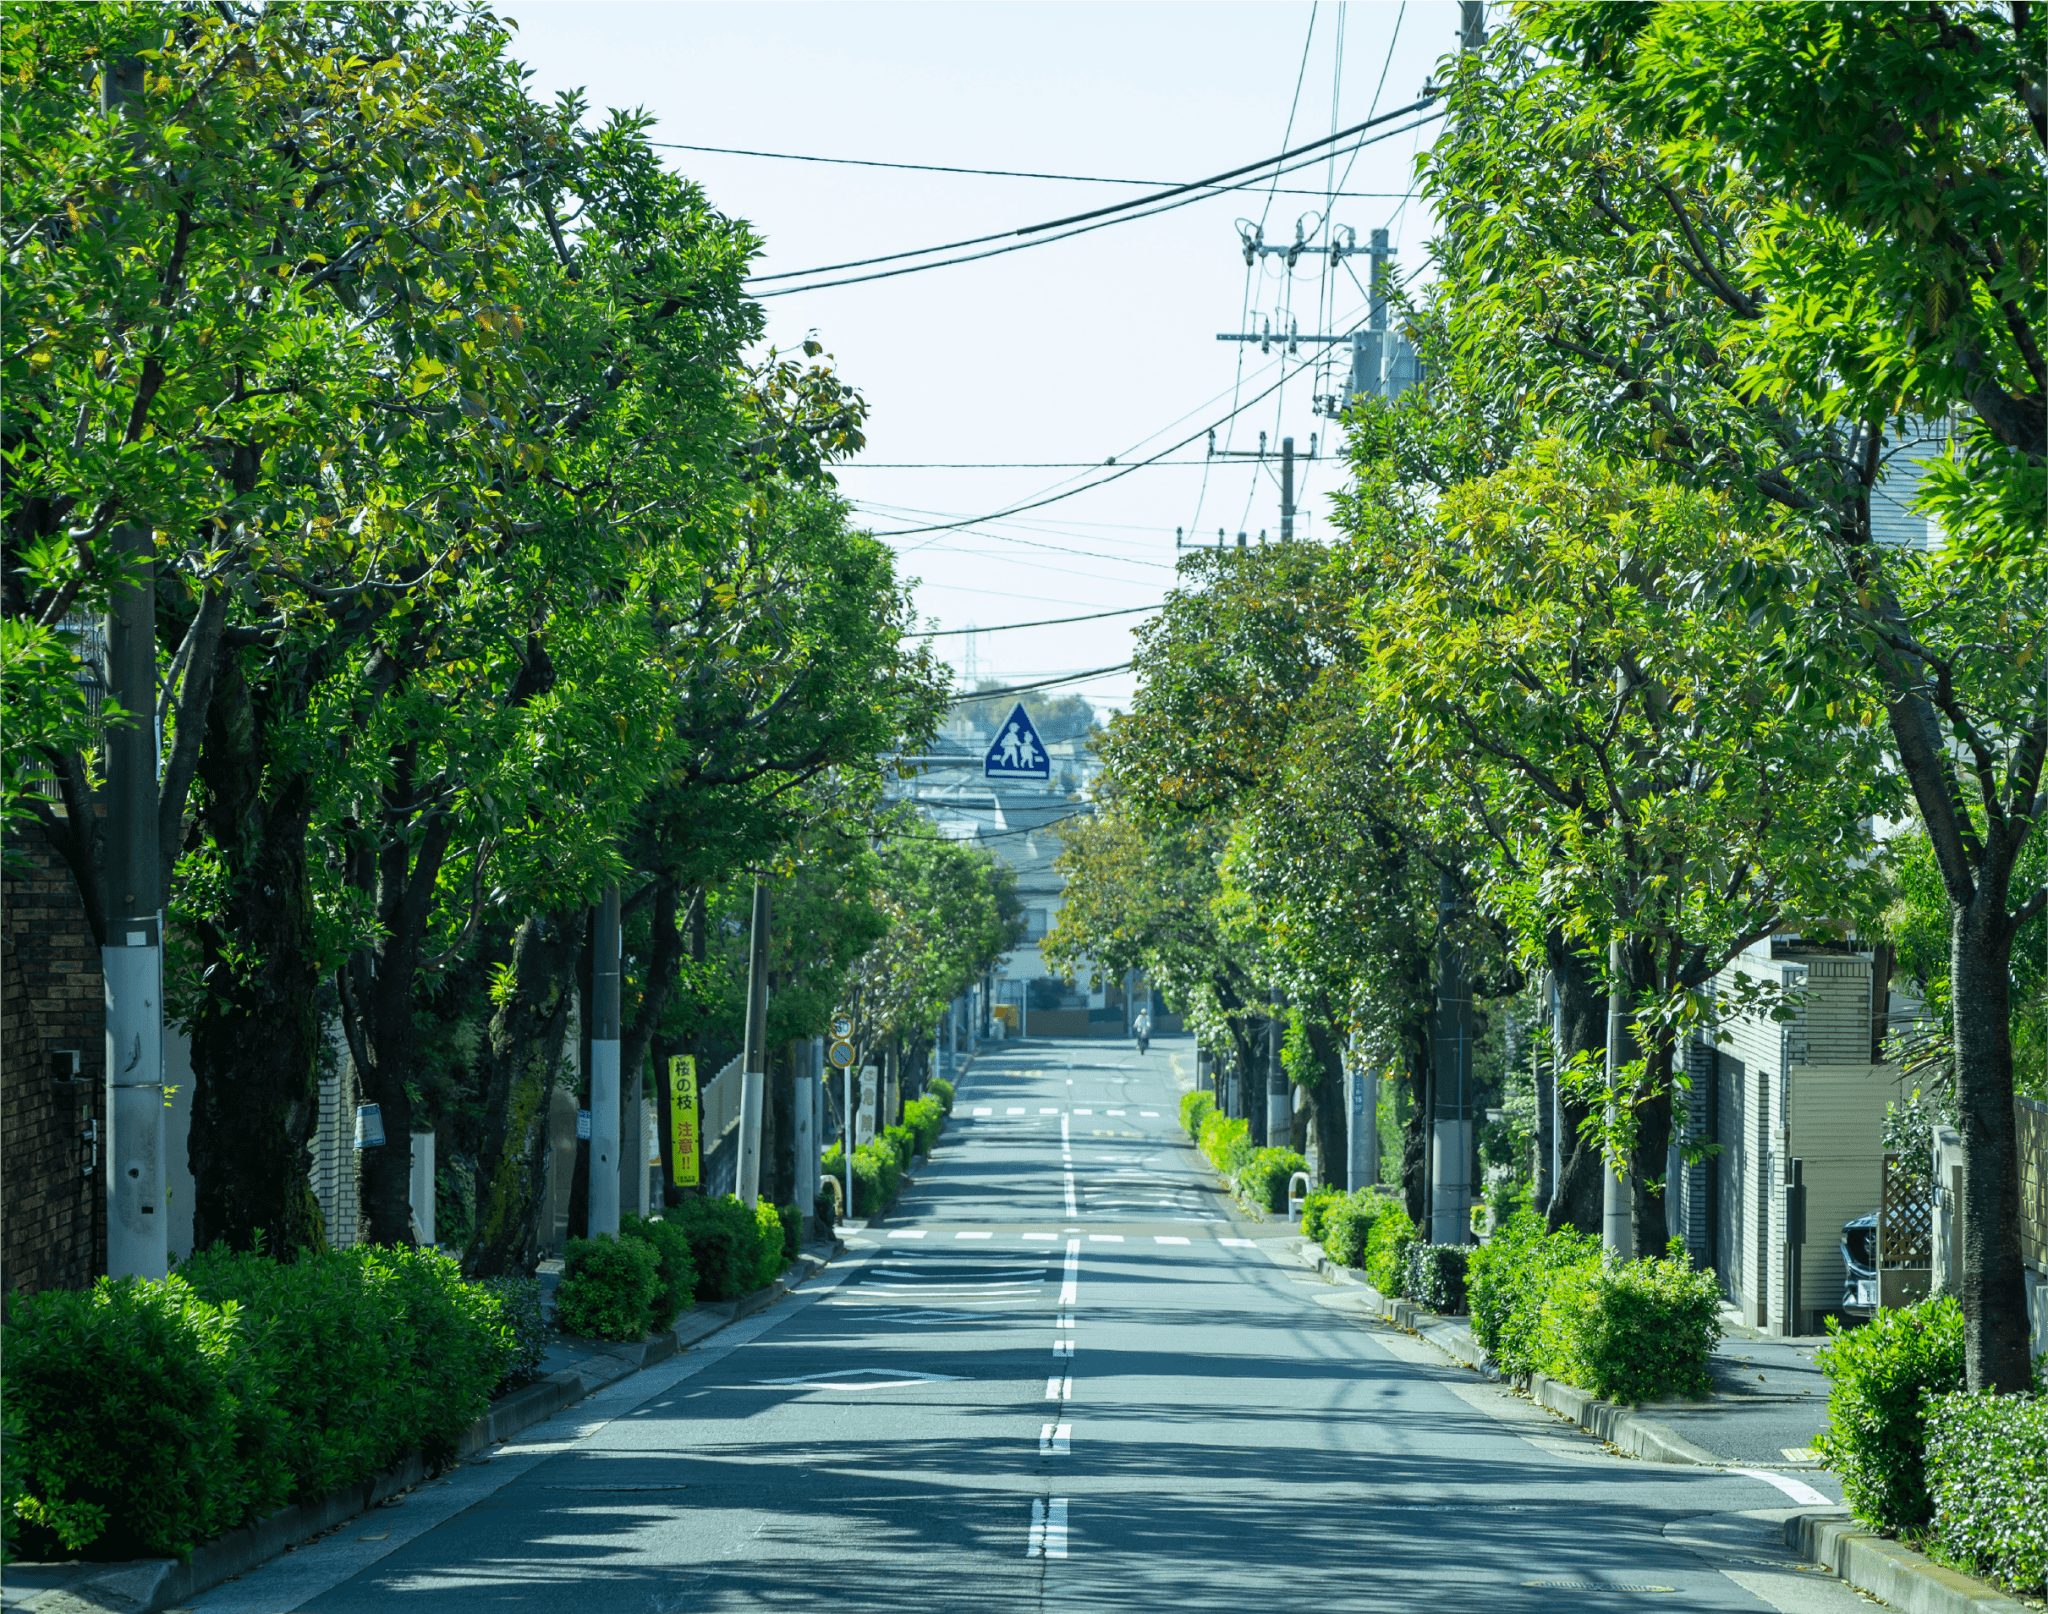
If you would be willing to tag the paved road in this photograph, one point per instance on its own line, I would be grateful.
(1063, 1376)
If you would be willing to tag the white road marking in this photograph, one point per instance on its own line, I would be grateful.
(1049, 1110)
(984, 1111)
(1105, 1238)
(974, 1235)
(1802, 1493)
(1108, 1112)
(866, 1378)
(1063, 1321)
(1063, 1347)
(1150, 1115)
(1056, 1527)
(1041, 1235)
(1079, 1111)
(1235, 1244)
(906, 1235)
(1071, 1211)
(1013, 1112)
(1168, 1238)
(1056, 1440)
(1066, 1130)
(1059, 1389)
(1070, 1288)
(1034, 1544)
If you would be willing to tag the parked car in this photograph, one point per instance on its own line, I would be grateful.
(1859, 1266)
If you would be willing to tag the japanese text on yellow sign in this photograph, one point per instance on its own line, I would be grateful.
(683, 1132)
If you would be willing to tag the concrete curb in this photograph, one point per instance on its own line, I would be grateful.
(1908, 1580)
(1622, 1429)
(159, 1583)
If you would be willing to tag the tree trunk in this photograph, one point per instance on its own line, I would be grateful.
(256, 1040)
(520, 1064)
(778, 1147)
(1581, 1027)
(1329, 1121)
(1995, 1349)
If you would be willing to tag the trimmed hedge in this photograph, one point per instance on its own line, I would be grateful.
(1386, 1251)
(1435, 1276)
(158, 1415)
(876, 1174)
(1315, 1207)
(1193, 1107)
(1226, 1143)
(731, 1244)
(770, 1238)
(608, 1287)
(1878, 1375)
(533, 1330)
(923, 1117)
(1987, 1471)
(1263, 1178)
(1552, 1302)
(942, 1090)
(1346, 1226)
(677, 1288)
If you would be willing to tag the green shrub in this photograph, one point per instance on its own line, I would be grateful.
(1987, 1471)
(460, 1344)
(876, 1174)
(768, 1239)
(1193, 1107)
(677, 1273)
(1877, 1377)
(792, 1230)
(1435, 1276)
(724, 1245)
(1631, 1331)
(1347, 1225)
(1263, 1177)
(942, 1090)
(923, 1118)
(1386, 1251)
(1506, 1279)
(826, 1206)
(1219, 1137)
(147, 1430)
(522, 1310)
(904, 1142)
(1312, 1209)
(608, 1287)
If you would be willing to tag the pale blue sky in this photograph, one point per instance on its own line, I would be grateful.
(1069, 352)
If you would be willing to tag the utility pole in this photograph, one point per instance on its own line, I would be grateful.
(1617, 1196)
(1450, 1129)
(754, 1069)
(1279, 1095)
(132, 959)
(1287, 458)
(606, 945)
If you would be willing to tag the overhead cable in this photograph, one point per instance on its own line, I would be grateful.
(1132, 206)
(986, 173)
(1043, 683)
(1049, 622)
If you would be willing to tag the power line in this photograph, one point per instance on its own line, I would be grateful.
(987, 173)
(1049, 622)
(1043, 683)
(1152, 203)
(997, 465)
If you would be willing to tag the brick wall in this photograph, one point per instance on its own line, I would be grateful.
(52, 1220)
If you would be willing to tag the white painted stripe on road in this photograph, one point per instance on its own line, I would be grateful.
(1105, 1238)
(906, 1235)
(1802, 1493)
(1235, 1244)
(1071, 1211)
(1013, 1112)
(1066, 1131)
(1113, 1112)
(1034, 1544)
(1168, 1238)
(1049, 1110)
(1089, 1112)
(1056, 1440)
(1041, 1235)
(1056, 1527)
(1063, 1347)
(974, 1235)
(1063, 1321)
(1150, 1115)
(1059, 1389)
(984, 1110)
(1070, 1289)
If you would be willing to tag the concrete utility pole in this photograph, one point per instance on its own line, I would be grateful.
(1286, 489)
(1279, 1093)
(606, 944)
(754, 1068)
(132, 960)
(1617, 1189)
(1362, 1136)
(809, 1056)
(1451, 1128)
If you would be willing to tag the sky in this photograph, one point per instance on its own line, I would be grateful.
(992, 384)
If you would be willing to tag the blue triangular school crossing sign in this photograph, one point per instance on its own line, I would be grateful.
(1018, 753)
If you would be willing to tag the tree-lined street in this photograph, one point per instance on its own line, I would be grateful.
(1144, 1404)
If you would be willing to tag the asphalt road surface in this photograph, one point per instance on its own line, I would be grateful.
(1064, 1375)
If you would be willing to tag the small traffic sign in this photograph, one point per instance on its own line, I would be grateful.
(842, 1026)
(1017, 753)
(840, 1055)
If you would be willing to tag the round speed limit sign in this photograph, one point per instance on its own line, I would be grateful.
(839, 1055)
(842, 1027)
